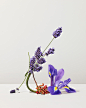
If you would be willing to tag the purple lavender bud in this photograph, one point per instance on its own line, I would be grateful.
(32, 60)
(57, 32)
(39, 68)
(41, 61)
(46, 54)
(50, 51)
(53, 49)
(38, 53)
(17, 88)
(12, 91)
(36, 65)
(30, 71)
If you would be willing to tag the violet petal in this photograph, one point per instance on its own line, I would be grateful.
(70, 90)
(51, 90)
(60, 74)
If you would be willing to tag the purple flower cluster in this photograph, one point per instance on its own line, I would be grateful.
(36, 60)
(32, 61)
(57, 84)
(41, 61)
(50, 51)
(38, 53)
(57, 32)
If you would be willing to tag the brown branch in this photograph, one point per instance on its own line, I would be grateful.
(34, 79)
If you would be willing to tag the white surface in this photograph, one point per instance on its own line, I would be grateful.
(26, 99)
(28, 24)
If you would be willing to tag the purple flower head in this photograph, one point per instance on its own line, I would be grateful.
(38, 53)
(39, 68)
(54, 89)
(12, 91)
(57, 32)
(32, 61)
(30, 71)
(50, 51)
(36, 67)
(41, 60)
(17, 88)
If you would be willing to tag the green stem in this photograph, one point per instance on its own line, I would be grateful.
(33, 74)
(22, 82)
(26, 73)
(28, 85)
(48, 45)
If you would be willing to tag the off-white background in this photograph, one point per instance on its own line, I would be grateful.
(28, 24)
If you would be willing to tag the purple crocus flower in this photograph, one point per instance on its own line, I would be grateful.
(52, 72)
(57, 32)
(54, 90)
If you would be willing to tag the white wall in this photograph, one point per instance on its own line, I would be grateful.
(28, 24)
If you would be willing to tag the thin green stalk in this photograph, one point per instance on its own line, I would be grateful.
(22, 82)
(33, 74)
(48, 45)
(26, 72)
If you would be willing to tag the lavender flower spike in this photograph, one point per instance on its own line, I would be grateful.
(58, 32)
(38, 53)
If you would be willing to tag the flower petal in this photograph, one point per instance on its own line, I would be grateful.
(57, 83)
(69, 90)
(52, 90)
(51, 71)
(64, 83)
(60, 74)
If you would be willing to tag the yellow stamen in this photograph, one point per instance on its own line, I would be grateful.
(55, 88)
(49, 73)
(66, 87)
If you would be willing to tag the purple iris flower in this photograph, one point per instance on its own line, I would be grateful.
(57, 32)
(54, 89)
(52, 72)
